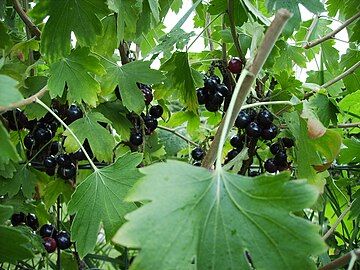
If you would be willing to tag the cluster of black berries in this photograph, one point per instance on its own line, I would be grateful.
(53, 239)
(279, 162)
(212, 94)
(29, 220)
(197, 154)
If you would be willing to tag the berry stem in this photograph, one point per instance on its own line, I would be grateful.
(257, 104)
(25, 18)
(178, 134)
(230, 10)
(38, 101)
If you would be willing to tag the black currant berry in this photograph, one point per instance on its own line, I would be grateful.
(197, 153)
(30, 125)
(156, 111)
(287, 142)
(216, 78)
(221, 88)
(210, 84)
(47, 230)
(50, 162)
(54, 147)
(265, 118)
(50, 171)
(63, 240)
(275, 148)
(242, 120)
(212, 106)
(73, 113)
(280, 159)
(232, 154)
(270, 165)
(16, 119)
(150, 123)
(49, 244)
(29, 141)
(67, 172)
(42, 135)
(32, 221)
(147, 93)
(235, 65)
(269, 133)
(253, 130)
(237, 141)
(63, 160)
(202, 95)
(17, 219)
(136, 138)
(54, 125)
(79, 155)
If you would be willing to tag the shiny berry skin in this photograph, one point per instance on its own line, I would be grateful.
(275, 148)
(197, 154)
(73, 113)
(232, 154)
(16, 119)
(54, 148)
(156, 111)
(42, 136)
(148, 95)
(17, 219)
(210, 84)
(47, 230)
(136, 138)
(49, 244)
(287, 142)
(32, 221)
(202, 95)
(79, 155)
(253, 130)
(270, 166)
(235, 65)
(280, 159)
(269, 133)
(63, 160)
(63, 240)
(237, 141)
(29, 141)
(216, 78)
(265, 118)
(150, 123)
(221, 88)
(212, 106)
(242, 120)
(50, 162)
(50, 171)
(67, 172)
(252, 113)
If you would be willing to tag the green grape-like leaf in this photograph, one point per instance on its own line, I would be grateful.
(351, 152)
(100, 139)
(4, 36)
(8, 91)
(212, 219)
(351, 81)
(8, 151)
(68, 16)
(99, 199)
(53, 189)
(5, 212)
(74, 71)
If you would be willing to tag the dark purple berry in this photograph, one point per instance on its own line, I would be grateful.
(216, 78)
(49, 244)
(265, 118)
(232, 154)
(269, 133)
(54, 148)
(17, 219)
(150, 123)
(242, 120)
(287, 142)
(217, 98)
(270, 165)
(280, 159)
(47, 230)
(63, 240)
(156, 111)
(29, 141)
(32, 221)
(73, 113)
(79, 155)
(136, 138)
(221, 88)
(210, 85)
(237, 141)
(148, 95)
(50, 171)
(42, 136)
(50, 162)
(67, 172)
(202, 95)
(275, 148)
(212, 106)
(63, 160)
(197, 154)
(253, 130)
(235, 65)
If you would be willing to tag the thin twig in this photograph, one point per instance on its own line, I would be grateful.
(336, 264)
(337, 222)
(230, 9)
(311, 29)
(26, 101)
(25, 18)
(208, 31)
(333, 33)
(347, 125)
(272, 34)
(257, 104)
(178, 134)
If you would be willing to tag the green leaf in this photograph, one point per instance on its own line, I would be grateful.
(351, 152)
(314, 6)
(172, 144)
(288, 55)
(320, 77)
(5, 212)
(126, 77)
(89, 128)
(350, 103)
(190, 216)
(68, 16)
(352, 81)
(99, 199)
(109, 34)
(324, 108)
(8, 91)
(14, 245)
(4, 36)
(75, 71)
(53, 189)
(330, 57)
(180, 79)
(8, 151)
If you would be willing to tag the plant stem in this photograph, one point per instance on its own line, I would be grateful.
(70, 131)
(26, 101)
(257, 104)
(263, 52)
(311, 29)
(230, 9)
(336, 264)
(173, 131)
(333, 33)
(25, 18)
(208, 31)
(337, 222)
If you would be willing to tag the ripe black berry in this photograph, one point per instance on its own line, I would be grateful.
(280, 159)
(156, 111)
(150, 123)
(147, 93)
(67, 172)
(63, 160)
(221, 88)
(287, 142)
(265, 118)
(242, 120)
(237, 141)
(232, 154)
(73, 113)
(29, 141)
(16, 119)
(54, 148)
(49, 244)
(216, 78)
(275, 148)
(202, 95)
(42, 135)
(47, 230)
(50, 162)
(63, 240)
(79, 155)
(17, 219)
(269, 133)
(235, 65)
(212, 106)
(32, 221)
(253, 130)
(270, 165)
(136, 138)
(50, 171)
(210, 84)
(197, 153)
